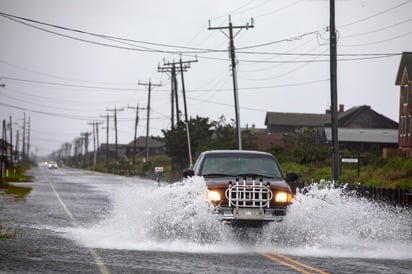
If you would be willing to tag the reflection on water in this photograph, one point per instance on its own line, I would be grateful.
(321, 222)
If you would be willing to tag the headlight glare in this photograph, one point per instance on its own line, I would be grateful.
(283, 197)
(213, 195)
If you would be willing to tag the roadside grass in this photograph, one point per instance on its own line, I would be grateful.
(16, 175)
(373, 171)
(391, 173)
(6, 234)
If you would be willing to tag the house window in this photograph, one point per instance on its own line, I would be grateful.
(402, 126)
(405, 95)
(408, 125)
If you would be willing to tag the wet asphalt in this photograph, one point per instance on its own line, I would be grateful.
(33, 238)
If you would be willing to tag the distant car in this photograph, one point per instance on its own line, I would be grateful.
(244, 186)
(52, 165)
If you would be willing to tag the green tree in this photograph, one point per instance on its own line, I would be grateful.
(176, 143)
(302, 147)
(204, 135)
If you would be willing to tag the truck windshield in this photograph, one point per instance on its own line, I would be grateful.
(240, 165)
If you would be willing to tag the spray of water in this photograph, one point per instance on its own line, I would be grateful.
(324, 221)
(331, 221)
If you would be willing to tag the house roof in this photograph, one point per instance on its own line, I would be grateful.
(363, 117)
(111, 147)
(365, 135)
(141, 142)
(296, 119)
(405, 66)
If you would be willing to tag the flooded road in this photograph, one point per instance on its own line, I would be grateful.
(75, 221)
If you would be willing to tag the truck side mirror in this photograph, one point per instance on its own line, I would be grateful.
(291, 177)
(188, 173)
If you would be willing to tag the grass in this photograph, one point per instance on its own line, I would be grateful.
(392, 173)
(6, 234)
(16, 175)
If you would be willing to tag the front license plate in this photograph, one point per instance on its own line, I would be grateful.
(248, 214)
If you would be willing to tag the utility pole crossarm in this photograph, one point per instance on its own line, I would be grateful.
(230, 27)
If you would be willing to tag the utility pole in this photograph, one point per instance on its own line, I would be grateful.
(17, 145)
(115, 110)
(149, 86)
(334, 93)
(171, 68)
(234, 72)
(11, 140)
(136, 122)
(97, 139)
(183, 66)
(94, 142)
(23, 151)
(28, 139)
(85, 135)
(107, 139)
(95, 125)
(3, 157)
(4, 142)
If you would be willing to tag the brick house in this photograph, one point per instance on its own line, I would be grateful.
(404, 81)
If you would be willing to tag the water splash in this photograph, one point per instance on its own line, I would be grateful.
(326, 221)
(331, 221)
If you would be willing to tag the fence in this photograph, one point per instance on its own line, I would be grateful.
(394, 196)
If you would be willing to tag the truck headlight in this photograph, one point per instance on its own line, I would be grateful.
(213, 195)
(283, 197)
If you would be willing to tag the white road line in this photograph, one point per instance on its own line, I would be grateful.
(99, 262)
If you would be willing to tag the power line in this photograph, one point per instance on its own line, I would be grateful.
(66, 116)
(374, 15)
(380, 41)
(194, 50)
(23, 20)
(376, 30)
(241, 88)
(65, 85)
(61, 77)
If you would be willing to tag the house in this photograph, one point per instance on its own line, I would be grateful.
(279, 124)
(156, 147)
(110, 151)
(404, 81)
(289, 122)
(360, 128)
(363, 129)
(363, 117)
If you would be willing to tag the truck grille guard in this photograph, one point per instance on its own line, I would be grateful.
(255, 195)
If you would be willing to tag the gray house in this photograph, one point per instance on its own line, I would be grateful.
(156, 147)
(359, 128)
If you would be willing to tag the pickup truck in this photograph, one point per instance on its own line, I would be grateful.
(244, 186)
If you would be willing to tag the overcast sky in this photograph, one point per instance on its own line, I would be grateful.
(60, 70)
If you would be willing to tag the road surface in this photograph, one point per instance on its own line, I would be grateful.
(74, 221)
